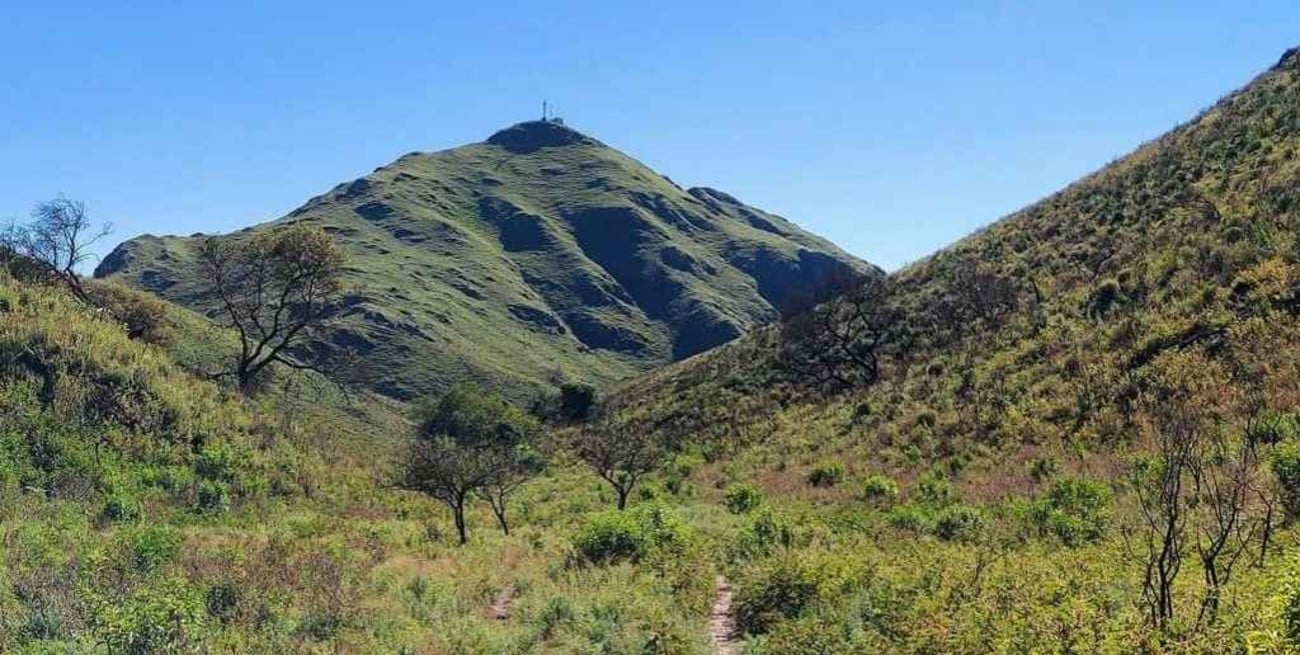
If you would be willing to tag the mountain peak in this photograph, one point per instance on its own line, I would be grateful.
(1290, 58)
(533, 135)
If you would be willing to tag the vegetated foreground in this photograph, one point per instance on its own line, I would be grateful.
(1074, 431)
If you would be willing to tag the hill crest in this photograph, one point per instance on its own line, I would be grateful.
(538, 253)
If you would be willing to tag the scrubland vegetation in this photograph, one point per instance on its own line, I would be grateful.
(1076, 431)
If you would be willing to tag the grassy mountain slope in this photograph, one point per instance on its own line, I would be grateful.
(1174, 268)
(539, 251)
(1169, 248)
(145, 510)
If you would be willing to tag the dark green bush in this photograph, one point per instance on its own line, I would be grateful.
(150, 548)
(880, 490)
(765, 532)
(935, 490)
(779, 590)
(742, 498)
(958, 523)
(1105, 296)
(222, 601)
(142, 315)
(1074, 510)
(121, 507)
(1042, 469)
(1286, 467)
(826, 474)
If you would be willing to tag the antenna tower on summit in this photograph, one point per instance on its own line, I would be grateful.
(548, 114)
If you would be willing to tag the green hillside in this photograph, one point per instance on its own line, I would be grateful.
(144, 510)
(1050, 353)
(540, 253)
(1075, 431)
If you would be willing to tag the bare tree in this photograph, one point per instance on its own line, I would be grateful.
(836, 343)
(1201, 490)
(1160, 483)
(60, 236)
(513, 465)
(620, 452)
(975, 294)
(275, 289)
(437, 465)
(1224, 469)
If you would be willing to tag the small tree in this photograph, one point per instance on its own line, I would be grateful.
(620, 453)
(834, 340)
(60, 236)
(1200, 489)
(471, 442)
(275, 289)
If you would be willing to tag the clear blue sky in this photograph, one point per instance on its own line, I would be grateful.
(893, 130)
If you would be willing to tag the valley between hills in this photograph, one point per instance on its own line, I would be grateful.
(527, 395)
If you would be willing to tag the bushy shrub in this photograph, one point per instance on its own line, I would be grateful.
(631, 535)
(222, 601)
(826, 474)
(161, 618)
(935, 490)
(1286, 467)
(1075, 510)
(1105, 295)
(880, 489)
(150, 548)
(121, 507)
(1042, 469)
(214, 469)
(1275, 428)
(958, 523)
(679, 470)
(912, 518)
(819, 634)
(742, 498)
(144, 316)
(780, 589)
(765, 532)
(576, 401)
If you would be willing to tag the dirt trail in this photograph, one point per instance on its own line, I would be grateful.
(722, 625)
(500, 609)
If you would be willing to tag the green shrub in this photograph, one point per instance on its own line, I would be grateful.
(742, 498)
(1042, 469)
(820, 634)
(1286, 467)
(935, 490)
(150, 548)
(222, 601)
(826, 474)
(631, 535)
(1075, 510)
(214, 468)
(880, 489)
(1275, 428)
(1105, 295)
(161, 618)
(912, 518)
(142, 315)
(958, 523)
(213, 496)
(120, 507)
(779, 590)
(676, 473)
(765, 532)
